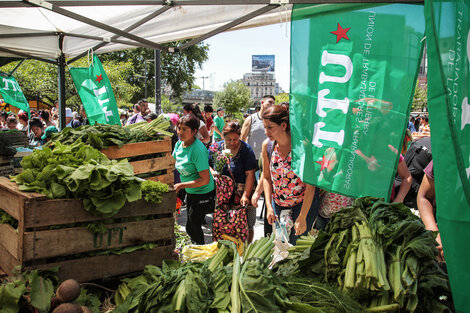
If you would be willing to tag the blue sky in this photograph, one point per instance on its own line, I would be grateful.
(230, 55)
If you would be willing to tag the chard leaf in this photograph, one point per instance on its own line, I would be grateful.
(41, 293)
(10, 294)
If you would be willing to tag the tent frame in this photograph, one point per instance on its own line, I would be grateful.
(136, 41)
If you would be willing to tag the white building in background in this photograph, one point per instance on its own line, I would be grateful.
(261, 84)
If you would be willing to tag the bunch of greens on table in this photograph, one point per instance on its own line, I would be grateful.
(102, 136)
(377, 252)
(79, 171)
(228, 282)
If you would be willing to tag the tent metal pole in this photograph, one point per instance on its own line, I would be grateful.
(24, 55)
(16, 67)
(61, 83)
(86, 20)
(67, 3)
(128, 29)
(19, 35)
(107, 40)
(228, 26)
(158, 82)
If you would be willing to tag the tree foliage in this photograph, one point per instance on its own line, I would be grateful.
(420, 98)
(125, 69)
(234, 97)
(170, 107)
(282, 97)
(177, 68)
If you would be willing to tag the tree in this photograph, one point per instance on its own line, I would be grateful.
(38, 80)
(282, 97)
(420, 98)
(170, 107)
(125, 69)
(177, 68)
(234, 97)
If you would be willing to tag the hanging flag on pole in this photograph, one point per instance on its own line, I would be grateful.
(12, 94)
(96, 93)
(353, 73)
(448, 40)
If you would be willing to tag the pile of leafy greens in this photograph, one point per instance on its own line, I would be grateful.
(34, 291)
(102, 136)
(79, 171)
(31, 290)
(379, 253)
(228, 282)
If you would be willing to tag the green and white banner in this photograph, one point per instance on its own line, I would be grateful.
(353, 73)
(12, 94)
(448, 41)
(96, 93)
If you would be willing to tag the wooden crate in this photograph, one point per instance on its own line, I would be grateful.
(35, 245)
(165, 163)
(6, 167)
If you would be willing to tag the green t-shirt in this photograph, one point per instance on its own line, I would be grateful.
(190, 161)
(219, 123)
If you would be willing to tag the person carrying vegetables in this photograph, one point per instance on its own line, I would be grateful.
(290, 195)
(243, 166)
(192, 162)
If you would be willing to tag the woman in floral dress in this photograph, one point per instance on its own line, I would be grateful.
(294, 202)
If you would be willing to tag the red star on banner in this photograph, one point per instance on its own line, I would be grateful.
(99, 78)
(341, 33)
(324, 164)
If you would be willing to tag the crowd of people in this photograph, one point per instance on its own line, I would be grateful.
(41, 124)
(259, 164)
(262, 145)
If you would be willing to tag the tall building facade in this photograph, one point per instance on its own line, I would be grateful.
(261, 84)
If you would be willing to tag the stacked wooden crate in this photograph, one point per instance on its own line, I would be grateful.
(150, 160)
(53, 232)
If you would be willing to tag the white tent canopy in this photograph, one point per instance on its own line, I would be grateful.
(32, 28)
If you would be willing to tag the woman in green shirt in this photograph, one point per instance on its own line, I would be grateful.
(192, 162)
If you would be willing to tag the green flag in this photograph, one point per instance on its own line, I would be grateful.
(12, 94)
(96, 93)
(447, 36)
(353, 72)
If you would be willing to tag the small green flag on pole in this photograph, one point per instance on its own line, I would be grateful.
(448, 40)
(12, 94)
(353, 73)
(96, 93)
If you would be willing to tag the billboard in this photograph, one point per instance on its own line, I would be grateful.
(262, 63)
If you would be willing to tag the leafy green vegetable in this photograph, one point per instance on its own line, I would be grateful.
(89, 300)
(380, 253)
(28, 290)
(82, 172)
(6, 218)
(102, 136)
(152, 191)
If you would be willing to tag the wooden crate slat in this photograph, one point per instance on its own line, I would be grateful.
(67, 211)
(4, 160)
(69, 241)
(139, 148)
(7, 261)
(6, 183)
(11, 203)
(9, 239)
(100, 267)
(152, 165)
(168, 179)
